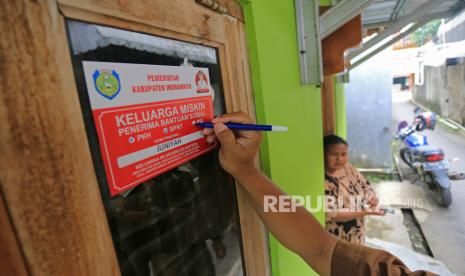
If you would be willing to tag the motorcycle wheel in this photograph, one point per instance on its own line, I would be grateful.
(405, 156)
(445, 197)
(442, 196)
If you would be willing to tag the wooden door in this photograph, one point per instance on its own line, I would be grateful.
(49, 181)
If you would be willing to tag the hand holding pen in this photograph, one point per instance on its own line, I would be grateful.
(242, 126)
(238, 149)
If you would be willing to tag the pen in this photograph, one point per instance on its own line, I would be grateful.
(246, 126)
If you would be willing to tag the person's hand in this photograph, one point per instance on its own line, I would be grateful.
(375, 212)
(238, 149)
(372, 199)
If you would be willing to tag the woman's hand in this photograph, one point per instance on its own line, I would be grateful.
(372, 208)
(375, 212)
(238, 149)
(372, 199)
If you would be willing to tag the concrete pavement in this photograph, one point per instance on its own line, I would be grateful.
(391, 232)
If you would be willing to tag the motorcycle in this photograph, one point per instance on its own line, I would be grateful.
(428, 161)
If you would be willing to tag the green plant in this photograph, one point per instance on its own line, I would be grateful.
(426, 33)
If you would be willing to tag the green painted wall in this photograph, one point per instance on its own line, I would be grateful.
(340, 108)
(294, 160)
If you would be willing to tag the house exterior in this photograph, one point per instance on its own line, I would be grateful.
(439, 79)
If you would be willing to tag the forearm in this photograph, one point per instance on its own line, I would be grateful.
(299, 231)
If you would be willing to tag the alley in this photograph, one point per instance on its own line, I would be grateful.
(443, 227)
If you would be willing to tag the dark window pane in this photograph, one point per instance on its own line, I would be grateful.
(185, 221)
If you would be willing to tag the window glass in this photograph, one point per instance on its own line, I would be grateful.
(184, 221)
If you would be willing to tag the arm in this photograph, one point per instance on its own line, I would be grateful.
(299, 231)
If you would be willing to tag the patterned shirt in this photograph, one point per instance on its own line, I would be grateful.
(349, 189)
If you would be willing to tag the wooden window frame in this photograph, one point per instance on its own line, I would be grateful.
(59, 219)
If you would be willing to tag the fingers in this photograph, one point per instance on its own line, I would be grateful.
(209, 134)
(210, 139)
(239, 117)
(373, 202)
(224, 135)
(207, 131)
(235, 117)
(379, 212)
(248, 137)
(372, 199)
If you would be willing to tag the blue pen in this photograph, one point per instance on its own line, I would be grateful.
(246, 127)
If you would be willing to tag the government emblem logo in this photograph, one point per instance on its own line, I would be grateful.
(201, 82)
(107, 83)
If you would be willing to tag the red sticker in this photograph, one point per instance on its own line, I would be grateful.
(145, 118)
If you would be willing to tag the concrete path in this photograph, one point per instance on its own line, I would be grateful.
(391, 233)
(444, 228)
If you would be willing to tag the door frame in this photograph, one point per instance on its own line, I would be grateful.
(50, 188)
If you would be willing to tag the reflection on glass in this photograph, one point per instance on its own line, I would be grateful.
(183, 222)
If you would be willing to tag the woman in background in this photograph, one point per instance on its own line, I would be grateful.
(347, 188)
